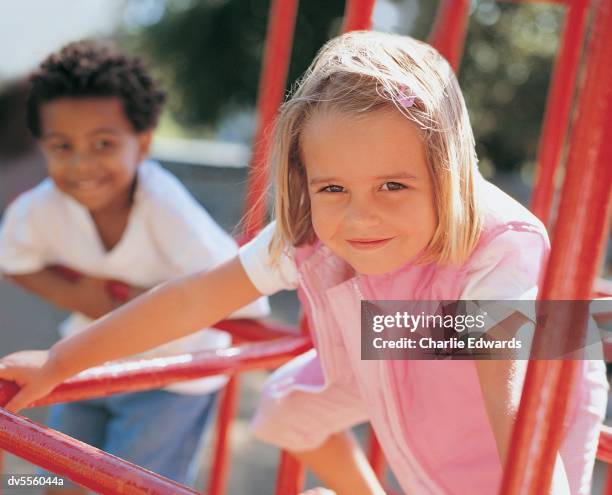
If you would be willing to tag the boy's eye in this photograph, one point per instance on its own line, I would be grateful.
(102, 144)
(332, 188)
(59, 147)
(392, 186)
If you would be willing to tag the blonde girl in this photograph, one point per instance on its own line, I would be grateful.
(378, 196)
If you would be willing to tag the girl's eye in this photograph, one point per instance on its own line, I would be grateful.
(332, 188)
(393, 186)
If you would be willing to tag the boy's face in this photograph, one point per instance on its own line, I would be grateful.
(92, 149)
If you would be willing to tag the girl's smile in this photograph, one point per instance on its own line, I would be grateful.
(369, 186)
(369, 243)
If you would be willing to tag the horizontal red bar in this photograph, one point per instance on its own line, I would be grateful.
(83, 464)
(146, 374)
(255, 330)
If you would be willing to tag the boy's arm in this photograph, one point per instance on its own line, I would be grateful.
(87, 295)
(170, 311)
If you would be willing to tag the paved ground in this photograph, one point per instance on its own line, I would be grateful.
(28, 323)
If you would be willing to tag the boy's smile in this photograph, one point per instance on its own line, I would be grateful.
(370, 189)
(92, 150)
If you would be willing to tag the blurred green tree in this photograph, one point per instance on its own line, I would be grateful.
(505, 74)
(210, 53)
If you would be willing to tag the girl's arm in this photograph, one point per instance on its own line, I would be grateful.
(170, 311)
(87, 295)
(501, 382)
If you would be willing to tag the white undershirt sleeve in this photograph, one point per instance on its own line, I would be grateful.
(255, 259)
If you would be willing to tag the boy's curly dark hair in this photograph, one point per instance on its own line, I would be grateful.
(93, 68)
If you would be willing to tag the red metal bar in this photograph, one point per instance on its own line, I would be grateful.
(376, 456)
(450, 29)
(604, 449)
(83, 464)
(145, 374)
(357, 15)
(572, 267)
(277, 54)
(556, 118)
(291, 473)
(608, 488)
(254, 330)
(227, 411)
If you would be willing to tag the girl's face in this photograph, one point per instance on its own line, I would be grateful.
(370, 190)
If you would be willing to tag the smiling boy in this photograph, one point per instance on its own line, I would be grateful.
(105, 226)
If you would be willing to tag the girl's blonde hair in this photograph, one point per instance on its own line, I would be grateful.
(365, 71)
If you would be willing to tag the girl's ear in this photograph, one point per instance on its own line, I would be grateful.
(145, 139)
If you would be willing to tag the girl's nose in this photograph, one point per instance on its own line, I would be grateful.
(362, 212)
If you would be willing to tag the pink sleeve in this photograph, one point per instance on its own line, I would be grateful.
(510, 266)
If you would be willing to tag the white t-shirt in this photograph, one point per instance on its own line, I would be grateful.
(168, 234)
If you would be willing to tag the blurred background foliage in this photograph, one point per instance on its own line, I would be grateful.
(209, 53)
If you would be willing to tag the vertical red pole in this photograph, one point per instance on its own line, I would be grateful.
(376, 456)
(227, 410)
(277, 54)
(358, 15)
(608, 488)
(291, 475)
(556, 118)
(449, 31)
(582, 220)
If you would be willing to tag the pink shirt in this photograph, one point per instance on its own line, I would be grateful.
(428, 415)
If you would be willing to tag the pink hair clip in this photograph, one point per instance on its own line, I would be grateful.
(405, 101)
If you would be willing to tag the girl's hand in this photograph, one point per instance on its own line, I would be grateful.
(34, 371)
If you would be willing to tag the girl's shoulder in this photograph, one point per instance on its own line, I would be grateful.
(509, 258)
(505, 220)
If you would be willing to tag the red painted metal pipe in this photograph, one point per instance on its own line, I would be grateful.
(83, 464)
(245, 330)
(449, 31)
(608, 488)
(291, 473)
(558, 106)
(227, 410)
(604, 449)
(572, 267)
(376, 456)
(277, 54)
(357, 15)
(146, 374)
